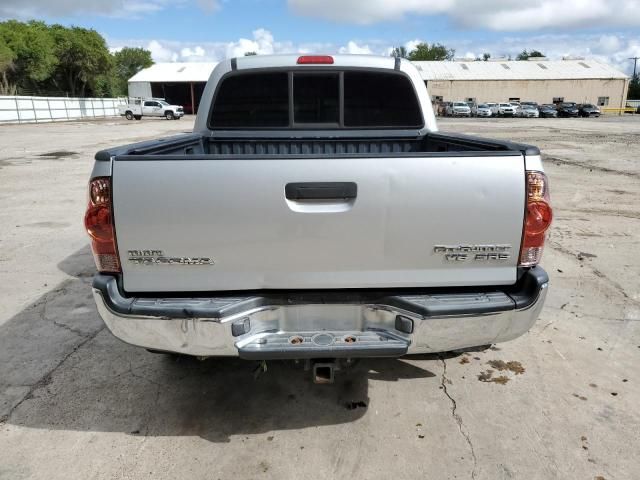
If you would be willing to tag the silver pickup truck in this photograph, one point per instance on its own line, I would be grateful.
(316, 212)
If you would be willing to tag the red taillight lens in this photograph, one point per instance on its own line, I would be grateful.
(315, 60)
(537, 220)
(98, 220)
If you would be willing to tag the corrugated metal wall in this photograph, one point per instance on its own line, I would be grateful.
(541, 91)
(18, 109)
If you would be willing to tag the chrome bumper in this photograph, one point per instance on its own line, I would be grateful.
(320, 324)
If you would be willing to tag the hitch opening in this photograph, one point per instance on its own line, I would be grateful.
(323, 372)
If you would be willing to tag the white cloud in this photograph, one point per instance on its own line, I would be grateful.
(612, 48)
(369, 11)
(189, 53)
(209, 5)
(262, 42)
(355, 49)
(161, 53)
(25, 9)
(500, 15)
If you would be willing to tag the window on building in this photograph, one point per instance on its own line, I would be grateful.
(514, 99)
(558, 99)
(603, 101)
(437, 98)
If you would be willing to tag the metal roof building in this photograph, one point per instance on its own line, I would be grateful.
(178, 83)
(519, 70)
(539, 80)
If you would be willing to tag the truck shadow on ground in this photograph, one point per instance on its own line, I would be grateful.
(61, 369)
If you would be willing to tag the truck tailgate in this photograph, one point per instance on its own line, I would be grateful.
(412, 221)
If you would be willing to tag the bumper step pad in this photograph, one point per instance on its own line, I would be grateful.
(279, 346)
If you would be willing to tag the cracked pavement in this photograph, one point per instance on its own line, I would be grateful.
(559, 402)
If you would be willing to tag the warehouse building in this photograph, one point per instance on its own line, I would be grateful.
(178, 83)
(536, 80)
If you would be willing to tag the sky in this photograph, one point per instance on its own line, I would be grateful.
(211, 30)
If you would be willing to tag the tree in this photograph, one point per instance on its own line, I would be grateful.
(37, 58)
(83, 57)
(126, 63)
(6, 67)
(524, 55)
(486, 56)
(27, 50)
(399, 52)
(434, 52)
(250, 54)
(634, 88)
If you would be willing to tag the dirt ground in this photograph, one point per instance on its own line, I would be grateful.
(561, 402)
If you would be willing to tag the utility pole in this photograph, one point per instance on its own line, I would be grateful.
(635, 63)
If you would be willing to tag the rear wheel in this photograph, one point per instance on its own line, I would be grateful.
(169, 115)
(128, 115)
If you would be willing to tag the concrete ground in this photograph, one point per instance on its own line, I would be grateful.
(77, 403)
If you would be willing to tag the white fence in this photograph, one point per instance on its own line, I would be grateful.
(17, 109)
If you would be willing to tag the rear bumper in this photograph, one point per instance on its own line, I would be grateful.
(321, 324)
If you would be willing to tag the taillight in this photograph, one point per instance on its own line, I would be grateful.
(537, 220)
(315, 60)
(98, 220)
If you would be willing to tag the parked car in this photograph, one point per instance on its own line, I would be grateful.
(568, 109)
(481, 110)
(506, 109)
(140, 107)
(535, 104)
(548, 111)
(257, 238)
(528, 111)
(588, 110)
(442, 108)
(493, 107)
(458, 109)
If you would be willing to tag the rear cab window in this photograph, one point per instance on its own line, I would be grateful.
(328, 99)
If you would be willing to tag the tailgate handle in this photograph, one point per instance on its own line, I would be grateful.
(321, 191)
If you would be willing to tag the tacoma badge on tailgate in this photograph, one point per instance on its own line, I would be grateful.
(157, 257)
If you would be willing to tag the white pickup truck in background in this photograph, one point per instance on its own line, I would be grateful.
(316, 212)
(136, 108)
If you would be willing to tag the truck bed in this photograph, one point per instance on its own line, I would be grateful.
(201, 146)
